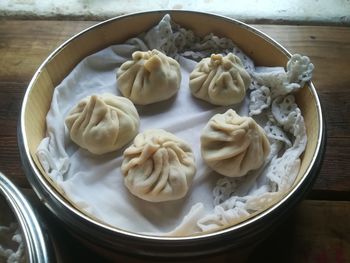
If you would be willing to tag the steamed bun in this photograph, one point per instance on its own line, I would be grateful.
(149, 77)
(103, 123)
(233, 145)
(220, 80)
(158, 166)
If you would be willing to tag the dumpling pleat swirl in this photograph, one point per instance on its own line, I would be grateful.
(233, 145)
(158, 166)
(103, 123)
(220, 80)
(149, 77)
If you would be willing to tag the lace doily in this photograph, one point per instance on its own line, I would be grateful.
(270, 83)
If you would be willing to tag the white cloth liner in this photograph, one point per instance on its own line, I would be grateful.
(95, 183)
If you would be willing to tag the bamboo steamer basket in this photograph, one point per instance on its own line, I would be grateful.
(32, 129)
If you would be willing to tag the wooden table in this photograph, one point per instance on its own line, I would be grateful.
(319, 229)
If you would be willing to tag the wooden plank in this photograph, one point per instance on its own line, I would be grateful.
(318, 231)
(25, 44)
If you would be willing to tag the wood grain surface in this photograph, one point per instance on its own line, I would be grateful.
(318, 231)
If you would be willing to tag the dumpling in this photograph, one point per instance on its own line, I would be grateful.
(158, 166)
(220, 80)
(149, 77)
(233, 145)
(103, 123)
